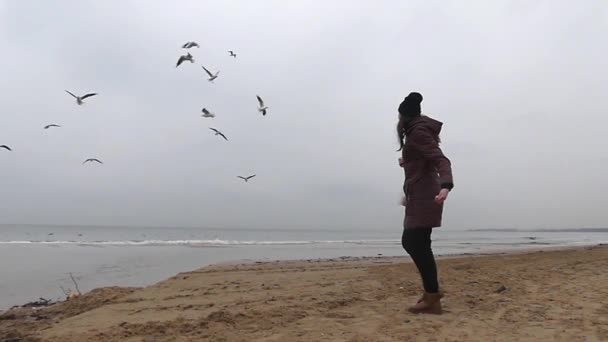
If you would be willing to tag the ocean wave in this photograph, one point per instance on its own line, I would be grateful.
(197, 243)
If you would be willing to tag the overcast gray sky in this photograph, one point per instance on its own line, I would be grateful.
(520, 85)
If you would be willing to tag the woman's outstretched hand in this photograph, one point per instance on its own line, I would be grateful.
(442, 196)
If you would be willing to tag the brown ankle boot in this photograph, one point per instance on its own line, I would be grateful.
(429, 303)
(424, 293)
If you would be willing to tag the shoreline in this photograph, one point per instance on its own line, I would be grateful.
(553, 294)
(405, 258)
(370, 259)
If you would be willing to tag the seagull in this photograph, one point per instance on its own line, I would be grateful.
(51, 125)
(262, 108)
(207, 114)
(5, 147)
(219, 133)
(190, 45)
(187, 57)
(80, 99)
(246, 179)
(211, 76)
(232, 54)
(92, 160)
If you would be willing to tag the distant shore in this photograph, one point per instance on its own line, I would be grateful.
(546, 295)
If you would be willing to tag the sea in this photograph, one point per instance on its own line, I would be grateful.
(40, 260)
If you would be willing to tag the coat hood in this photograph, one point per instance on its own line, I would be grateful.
(432, 125)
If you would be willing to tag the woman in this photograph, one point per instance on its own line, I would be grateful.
(428, 180)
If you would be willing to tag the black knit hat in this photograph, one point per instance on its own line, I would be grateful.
(411, 104)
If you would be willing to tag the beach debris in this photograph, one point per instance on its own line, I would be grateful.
(69, 294)
(212, 76)
(75, 285)
(261, 107)
(186, 57)
(80, 99)
(500, 289)
(41, 302)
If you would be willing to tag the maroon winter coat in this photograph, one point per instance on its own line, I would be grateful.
(427, 170)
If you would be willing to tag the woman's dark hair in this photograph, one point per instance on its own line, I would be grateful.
(409, 109)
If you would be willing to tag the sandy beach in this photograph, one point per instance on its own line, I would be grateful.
(537, 296)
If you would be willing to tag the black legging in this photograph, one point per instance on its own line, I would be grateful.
(417, 243)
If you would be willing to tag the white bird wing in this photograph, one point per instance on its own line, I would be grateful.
(208, 72)
(260, 101)
(180, 60)
(250, 177)
(71, 94)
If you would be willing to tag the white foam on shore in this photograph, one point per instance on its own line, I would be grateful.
(198, 243)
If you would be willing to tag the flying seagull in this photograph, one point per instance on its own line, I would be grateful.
(246, 179)
(211, 76)
(207, 113)
(51, 125)
(190, 45)
(219, 133)
(5, 147)
(80, 99)
(262, 108)
(232, 54)
(92, 160)
(187, 57)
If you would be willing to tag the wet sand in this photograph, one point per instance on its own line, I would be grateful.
(538, 296)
